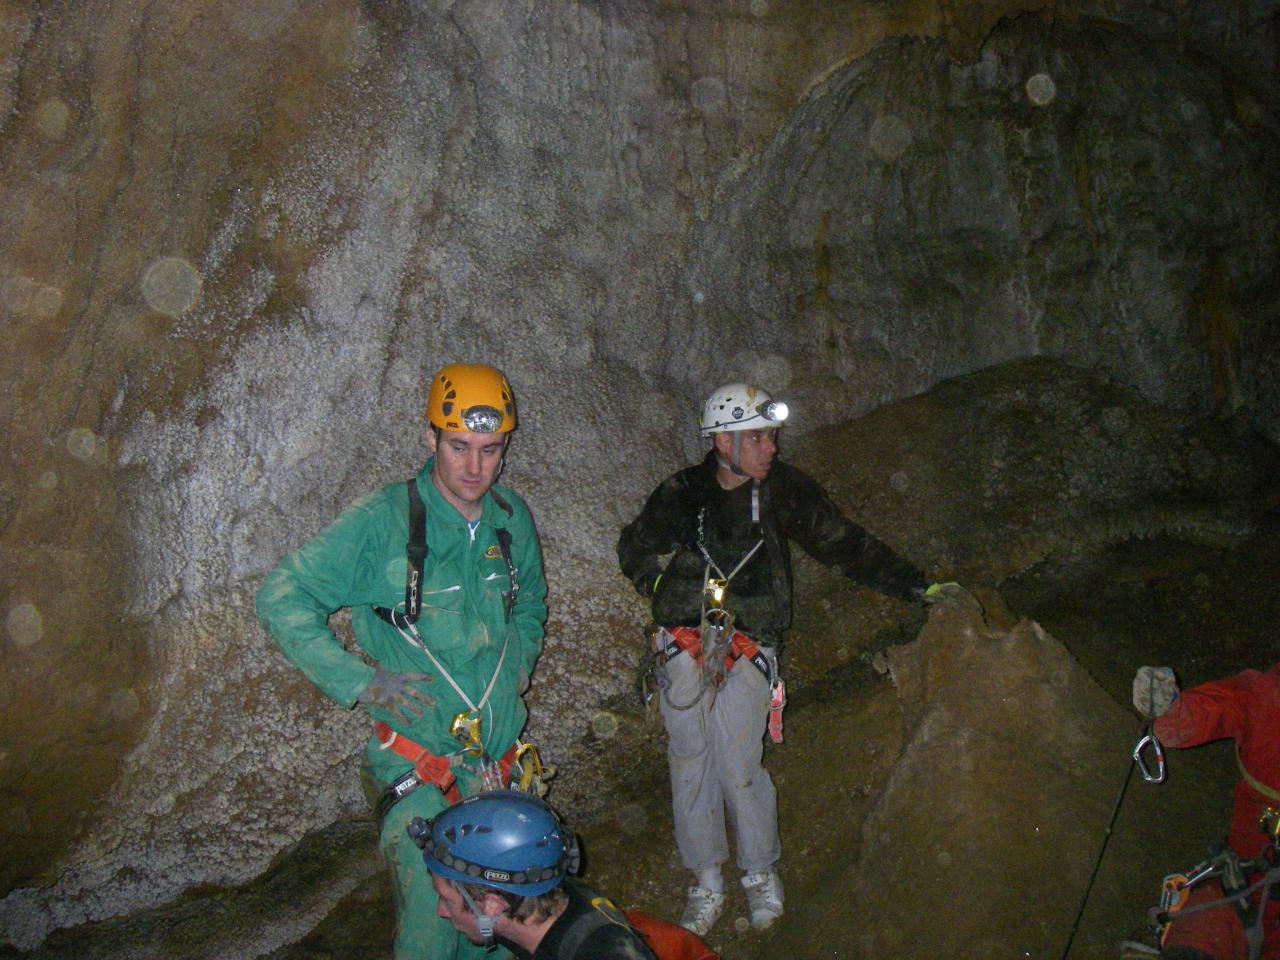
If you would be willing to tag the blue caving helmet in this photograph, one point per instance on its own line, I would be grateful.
(504, 839)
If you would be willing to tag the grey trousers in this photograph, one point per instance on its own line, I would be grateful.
(713, 751)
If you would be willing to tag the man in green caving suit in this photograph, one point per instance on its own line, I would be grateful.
(452, 625)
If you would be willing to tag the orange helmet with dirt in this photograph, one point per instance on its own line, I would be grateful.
(471, 398)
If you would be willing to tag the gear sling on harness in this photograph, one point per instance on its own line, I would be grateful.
(427, 766)
(733, 643)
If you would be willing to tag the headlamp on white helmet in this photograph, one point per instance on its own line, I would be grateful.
(741, 406)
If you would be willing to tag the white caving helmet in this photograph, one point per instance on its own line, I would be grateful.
(741, 406)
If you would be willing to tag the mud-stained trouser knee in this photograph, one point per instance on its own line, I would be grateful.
(714, 750)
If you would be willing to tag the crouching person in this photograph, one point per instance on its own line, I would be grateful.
(500, 865)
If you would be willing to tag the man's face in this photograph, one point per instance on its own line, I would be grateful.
(453, 908)
(465, 467)
(756, 453)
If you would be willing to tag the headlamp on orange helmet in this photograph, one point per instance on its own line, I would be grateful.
(471, 398)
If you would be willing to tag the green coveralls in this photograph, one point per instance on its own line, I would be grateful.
(359, 562)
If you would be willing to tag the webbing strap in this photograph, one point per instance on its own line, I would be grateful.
(509, 598)
(689, 640)
(416, 553)
(429, 767)
(1271, 793)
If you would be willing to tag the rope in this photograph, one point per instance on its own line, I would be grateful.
(414, 638)
(1106, 838)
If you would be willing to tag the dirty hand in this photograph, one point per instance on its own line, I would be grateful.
(1154, 690)
(396, 692)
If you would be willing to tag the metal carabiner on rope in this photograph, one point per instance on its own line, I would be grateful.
(1151, 739)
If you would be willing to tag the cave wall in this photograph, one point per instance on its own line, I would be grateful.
(239, 235)
(1064, 195)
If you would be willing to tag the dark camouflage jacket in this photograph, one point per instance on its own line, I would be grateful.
(691, 508)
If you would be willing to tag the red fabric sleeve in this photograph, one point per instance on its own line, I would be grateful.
(1246, 708)
(1210, 711)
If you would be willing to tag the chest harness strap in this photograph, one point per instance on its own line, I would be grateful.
(429, 768)
(716, 616)
(1271, 793)
(416, 554)
(702, 539)
(714, 588)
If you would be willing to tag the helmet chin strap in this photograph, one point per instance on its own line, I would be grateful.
(484, 921)
(733, 466)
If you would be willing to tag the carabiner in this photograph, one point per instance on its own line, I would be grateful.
(1147, 775)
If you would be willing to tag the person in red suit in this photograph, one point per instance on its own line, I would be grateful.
(1246, 709)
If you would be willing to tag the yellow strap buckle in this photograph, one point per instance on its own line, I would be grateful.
(465, 728)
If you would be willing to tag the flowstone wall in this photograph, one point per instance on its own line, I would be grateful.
(1063, 195)
(238, 235)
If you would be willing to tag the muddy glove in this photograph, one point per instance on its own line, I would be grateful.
(1154, 690)
(396, 693)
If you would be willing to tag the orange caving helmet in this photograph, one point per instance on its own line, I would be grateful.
(471, 398)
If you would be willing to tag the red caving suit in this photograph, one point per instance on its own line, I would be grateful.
(1245, 708)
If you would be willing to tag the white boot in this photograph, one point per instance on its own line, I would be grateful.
(702, 909)
(764, 897)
